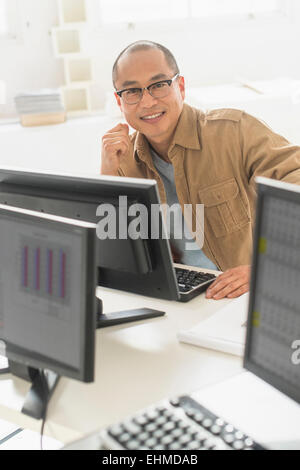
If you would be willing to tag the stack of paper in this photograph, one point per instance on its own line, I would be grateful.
(225, 330)
(40, 107)
(43, 101)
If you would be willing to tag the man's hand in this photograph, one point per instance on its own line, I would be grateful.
(115, 145)
(232, 283)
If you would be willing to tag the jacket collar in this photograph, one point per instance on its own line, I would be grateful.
(186, 132)
(186, 135)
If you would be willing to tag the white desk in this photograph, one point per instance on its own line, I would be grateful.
(73, 146)
(136, 364)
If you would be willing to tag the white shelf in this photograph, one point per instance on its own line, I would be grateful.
(76, 99)
(72, 11)
(66, 41)
(77, 67)
(78, 70)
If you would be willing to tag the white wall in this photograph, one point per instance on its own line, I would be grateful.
(28, 63)
(209, 54)
(212, 53)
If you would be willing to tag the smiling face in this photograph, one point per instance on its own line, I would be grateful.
(156, 118)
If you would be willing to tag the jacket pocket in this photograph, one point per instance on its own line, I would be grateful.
(224, 209)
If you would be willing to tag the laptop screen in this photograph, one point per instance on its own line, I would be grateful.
(273, 334)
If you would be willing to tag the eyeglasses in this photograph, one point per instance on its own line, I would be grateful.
(157, 90)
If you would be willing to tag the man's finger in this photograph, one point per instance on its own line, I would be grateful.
(225, 275)
(218, 284)
(242, 290)
(227, 289)
(113, 139)
(116, 146)
(240, 273)
(119, 128)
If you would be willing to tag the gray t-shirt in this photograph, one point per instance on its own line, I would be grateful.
(193, 256)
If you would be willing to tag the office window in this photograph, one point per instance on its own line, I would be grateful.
(119, 11)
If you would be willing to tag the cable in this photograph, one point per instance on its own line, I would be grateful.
(46, 397)
(42, 431)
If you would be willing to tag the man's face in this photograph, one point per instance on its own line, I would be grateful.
(153, 117)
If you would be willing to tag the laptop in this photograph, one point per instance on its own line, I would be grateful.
(259, 407)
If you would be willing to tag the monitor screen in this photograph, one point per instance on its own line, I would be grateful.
(274, 307)
(47, 292)
(141, 264)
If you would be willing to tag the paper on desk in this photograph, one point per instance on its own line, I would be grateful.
(30, 440)
(6, 429)
(225, 330)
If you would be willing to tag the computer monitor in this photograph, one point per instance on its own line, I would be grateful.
(140, 265)
(274, 304)
(47, 299)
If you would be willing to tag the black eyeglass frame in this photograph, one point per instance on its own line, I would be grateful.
(148, 88)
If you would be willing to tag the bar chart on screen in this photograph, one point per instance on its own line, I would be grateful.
(44, 269)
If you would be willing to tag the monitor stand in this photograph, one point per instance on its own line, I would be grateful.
(43, 385)
(124, 316)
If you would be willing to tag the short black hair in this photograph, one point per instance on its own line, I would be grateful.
(145, 45)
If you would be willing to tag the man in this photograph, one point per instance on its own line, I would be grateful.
(200, 158)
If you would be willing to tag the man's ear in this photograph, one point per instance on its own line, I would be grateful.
(181, 83)
(119, 101)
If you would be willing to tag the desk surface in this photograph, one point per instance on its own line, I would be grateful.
(136, 364)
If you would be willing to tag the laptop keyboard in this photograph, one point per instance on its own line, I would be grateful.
(178, 424)
(191, 283)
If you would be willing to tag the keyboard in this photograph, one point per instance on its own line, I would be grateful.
(177, 424)
(192, 283)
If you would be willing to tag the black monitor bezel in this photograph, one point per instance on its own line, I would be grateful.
(264, 189)
(75, 196)
(25, 357)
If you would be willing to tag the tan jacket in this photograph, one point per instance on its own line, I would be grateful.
(216, 156)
